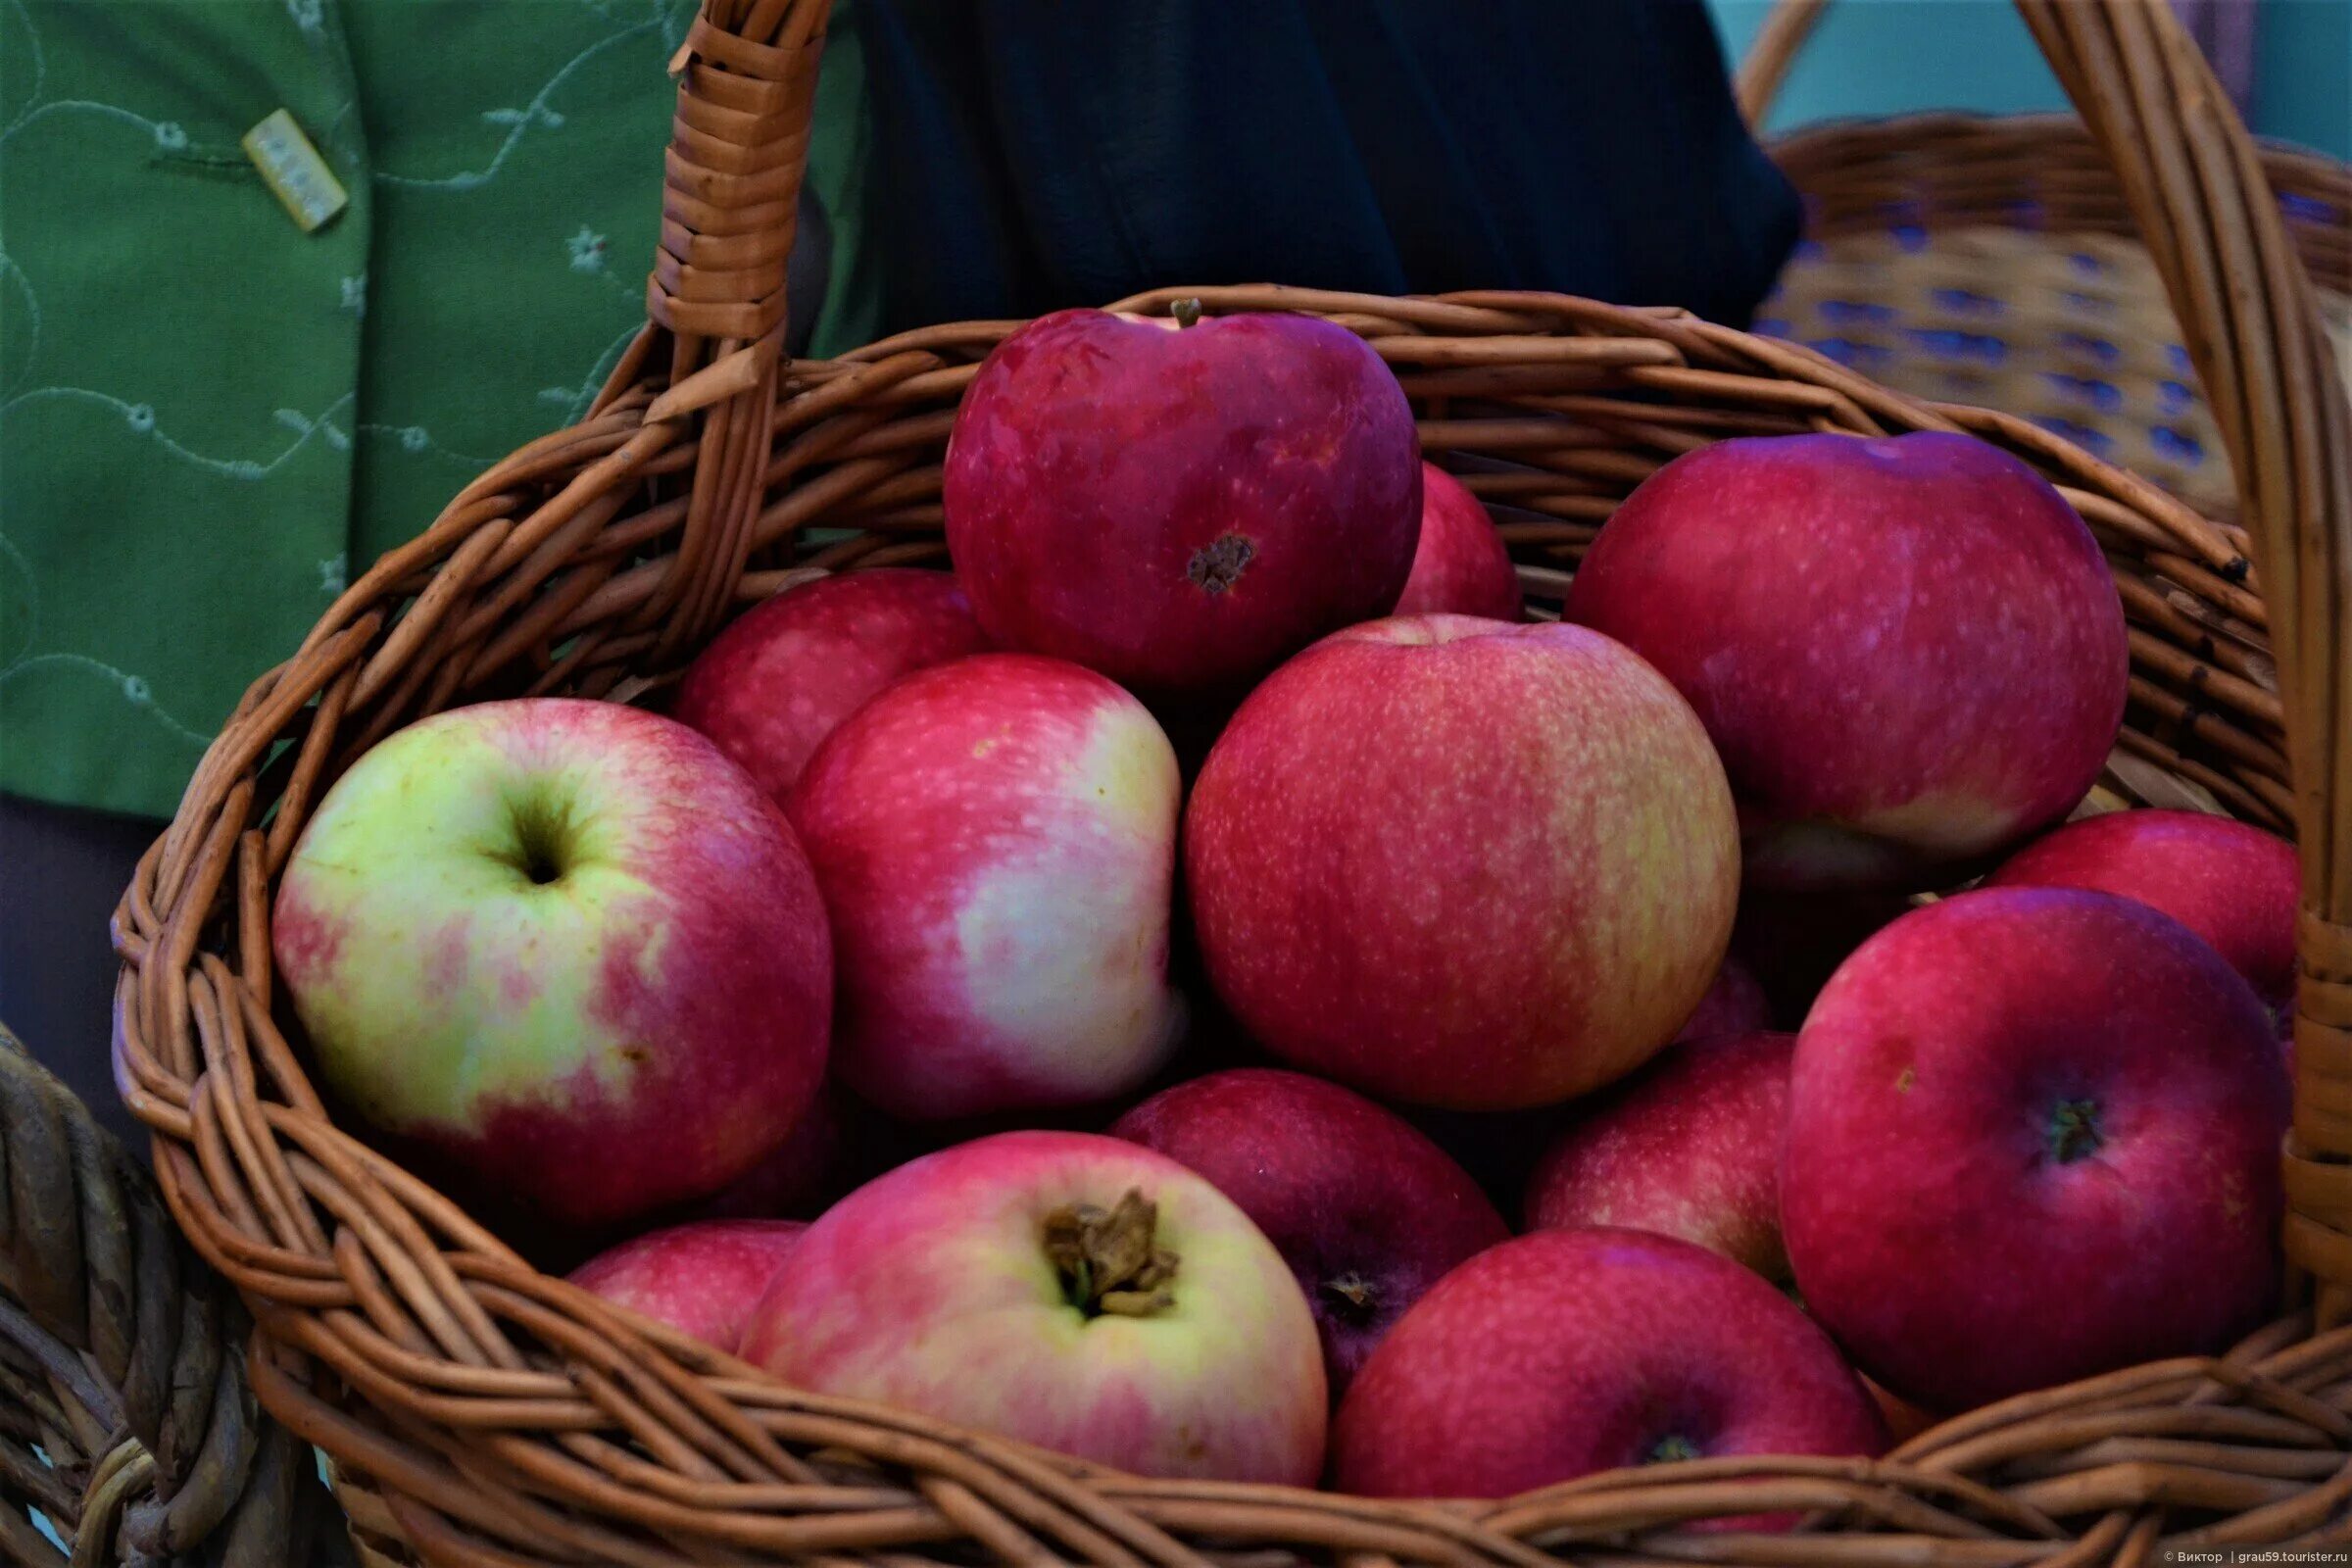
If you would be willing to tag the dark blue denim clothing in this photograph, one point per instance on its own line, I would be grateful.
(1031, 154)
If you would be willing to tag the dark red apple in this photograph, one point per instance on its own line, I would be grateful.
(1181, 507)
(2231, 883)
(1791, 943)
(1909, 652)
(1366, 1210)
(1734, 1005)
(1461, 862)
(1686, 1146)
(1566, 1352)
(1461, 566)
(2032, 1135)
(779, 680)
(701, 1279)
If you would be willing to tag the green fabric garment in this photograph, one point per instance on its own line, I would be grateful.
(208, 418)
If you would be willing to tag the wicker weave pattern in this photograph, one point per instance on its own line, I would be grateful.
(503, 1417)
(122, 1361)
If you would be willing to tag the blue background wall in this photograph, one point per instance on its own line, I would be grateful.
(1882, 57)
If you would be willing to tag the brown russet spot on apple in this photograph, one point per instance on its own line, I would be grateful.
(1109, 1259)
(1217, 566)
(1904, 1080)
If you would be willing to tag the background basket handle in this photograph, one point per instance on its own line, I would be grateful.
(1787, 26)
(2251, 324)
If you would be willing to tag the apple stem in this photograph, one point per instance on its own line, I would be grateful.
(1186, 312)
(2075, 1131)
(1672, 1448)
(1109, 1259)
(1350, 1298)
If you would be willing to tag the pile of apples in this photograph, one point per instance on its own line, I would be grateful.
(915, 869)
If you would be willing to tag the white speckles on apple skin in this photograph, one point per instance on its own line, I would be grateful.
(1463, 863)
(1909, 653)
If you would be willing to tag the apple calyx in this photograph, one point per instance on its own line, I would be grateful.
(2075, 1131)
(1109, 1260)
(1672, 1448)
(1350, 1298)
(1186, 312)
(1217, 566)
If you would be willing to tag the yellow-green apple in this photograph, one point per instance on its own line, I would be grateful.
(1566, 1352)
(1076, 1292)
(564, 947)
(701, 1279)
(1181, 507)
(1463, 863)
(995, 839)
(1734, 1002)
(784, 676)
(2032, 1135)
(1909, 652)
(1461, 566)
(1366, 1210)
(1686, 1146)
(2231, 883)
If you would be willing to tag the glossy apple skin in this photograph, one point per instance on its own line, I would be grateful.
(995, 839)
(1367, 1211)
(1908, 650)
(1688, 1147)
(1181, 508)
(780, 679)
(1461, 566)
(1940, 1227)
(701, 1279)
(929, 1289)
(1463, 864)
(1734, 1003)
(638, 1031)
(2231, 883)
(1571, 1351)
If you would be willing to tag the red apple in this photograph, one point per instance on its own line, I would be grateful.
(1366, 1210)
(1079, 1293)
(1688, 1147)
(1791, 943)
(1909, 652)
(565, 948)
(1461, 566)
(1181, 507)
(784, 676)
(1566, 1352)
(2032, 1135)
(995, 839)
(803, 1174)
(2235, 884)
(1734, 1003)
(701, 1279)
(1462, 863)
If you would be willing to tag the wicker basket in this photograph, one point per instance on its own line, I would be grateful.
(124, 1417)
(482, 1413)
(1994, 260)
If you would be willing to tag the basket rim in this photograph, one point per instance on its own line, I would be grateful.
(198, 1080)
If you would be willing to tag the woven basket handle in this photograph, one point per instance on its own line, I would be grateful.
(739, 146)
(2251, 325)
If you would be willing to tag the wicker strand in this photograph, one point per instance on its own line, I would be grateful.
(155, 1450)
